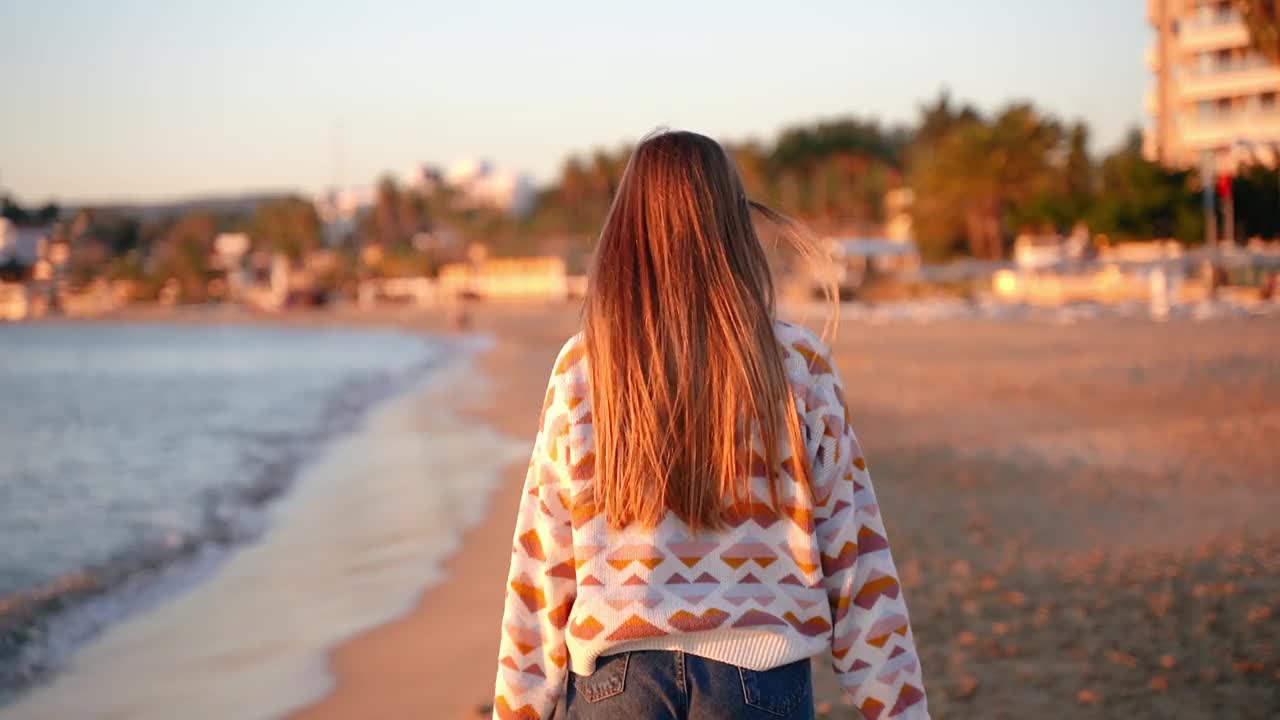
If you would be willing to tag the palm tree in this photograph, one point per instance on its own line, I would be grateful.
(387, 212)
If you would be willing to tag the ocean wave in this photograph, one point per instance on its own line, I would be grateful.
(42, 626)
(364, 529)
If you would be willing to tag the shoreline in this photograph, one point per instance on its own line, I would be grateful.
(450, 632)
(442, 653)
(446, 392)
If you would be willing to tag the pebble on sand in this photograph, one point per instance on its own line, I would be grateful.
(1124, 659)
(1247, 667)
(1088, 697)
(1015, 598)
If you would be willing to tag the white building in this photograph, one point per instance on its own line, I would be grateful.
(480, 184)
(1213, 96)
(22, 244)
(475, 184)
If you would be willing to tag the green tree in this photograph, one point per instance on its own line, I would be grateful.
(122, 233)
(1141, 200)
(940, 118)
(834, 173)
(48, 213)
(977, 174)
(96, 237)
(413, 214)
(803, 147)
(751, 159)
(977, 181)
(289, 226)
(385, 228)
(182, 252)
(1257, 200)
(44, 215)
(1262, 17)
(11, 210)
(583, 191)
(938, 223)
(1078, 170)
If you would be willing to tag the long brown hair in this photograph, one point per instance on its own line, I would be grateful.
(678, 328)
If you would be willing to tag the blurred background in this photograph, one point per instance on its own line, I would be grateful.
(280, 283)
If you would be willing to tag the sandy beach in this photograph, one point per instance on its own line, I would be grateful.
(441, 656)
(1084, 516)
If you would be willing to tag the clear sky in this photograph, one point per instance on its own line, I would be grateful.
(144, 100)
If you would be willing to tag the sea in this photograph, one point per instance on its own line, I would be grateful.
(191, 516)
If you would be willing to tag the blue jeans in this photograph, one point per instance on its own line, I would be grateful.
(653, 684)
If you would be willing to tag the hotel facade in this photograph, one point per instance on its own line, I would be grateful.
(1213, 98)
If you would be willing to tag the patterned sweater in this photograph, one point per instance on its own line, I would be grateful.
(772, 588)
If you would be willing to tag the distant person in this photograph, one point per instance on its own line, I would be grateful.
(697, 521)
(462, 317)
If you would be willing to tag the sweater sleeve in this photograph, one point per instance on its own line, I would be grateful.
(872, 647)
(541, 584)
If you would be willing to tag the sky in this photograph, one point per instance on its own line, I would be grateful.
(163, 99)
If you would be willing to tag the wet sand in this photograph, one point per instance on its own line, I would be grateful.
(440, 660)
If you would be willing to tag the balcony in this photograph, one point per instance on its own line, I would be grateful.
(1250, 77)
(1259, 126)
(1216, 33)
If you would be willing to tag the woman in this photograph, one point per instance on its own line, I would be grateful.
(697, 521)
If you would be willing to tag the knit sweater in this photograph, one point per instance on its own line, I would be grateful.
(773, 587)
